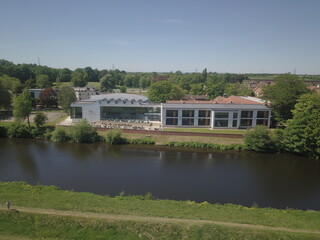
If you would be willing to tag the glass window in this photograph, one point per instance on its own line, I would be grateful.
(221, 114)
(204, 113)
(246, 114)
(187, 121)
(234, 123)
(263, 114)
(76, 112)
(221, 123)
(171, 121)
(187, 113)
(203, 122)
(235, 115)
(263, 122)
(246, 122)
(137, 113)
(172, 113)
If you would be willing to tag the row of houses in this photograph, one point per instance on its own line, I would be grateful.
(222, 112)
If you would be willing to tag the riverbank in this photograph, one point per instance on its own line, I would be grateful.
(73, 215)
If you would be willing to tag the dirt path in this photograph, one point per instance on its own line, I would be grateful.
(113, 217)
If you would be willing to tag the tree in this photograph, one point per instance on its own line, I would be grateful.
(65, 75)
(22, 106)
(123, 89)
(107, 83)
(259, 139)
(42, 81)
(5, 97)
(80, 77)
(40, 119)
(11, 84)
(303, 132)
(163, 91)
(284, 94)
(48, 98)
(66, 96)
(197, 89)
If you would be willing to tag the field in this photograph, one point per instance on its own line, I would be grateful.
(46, 212)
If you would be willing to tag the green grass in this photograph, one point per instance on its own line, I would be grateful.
(206, 130)
(51, 197)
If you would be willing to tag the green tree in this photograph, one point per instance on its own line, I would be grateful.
(40, 119)
(80, 77)
(66, 96)
(83, 132)
(123, 89)
(22, 106)
(163, 91)
(5, 97)
(284, 94)
(12, 84)
(42, 81)
(259, 139)
(215, 86)
(197, 89)
(303, 132)
(65, 75)
(107, 83)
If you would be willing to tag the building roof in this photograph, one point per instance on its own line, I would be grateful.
(224, 100)
(215, 106)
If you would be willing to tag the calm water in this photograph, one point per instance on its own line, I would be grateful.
(271, 180)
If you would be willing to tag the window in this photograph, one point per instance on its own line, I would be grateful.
(171, 121)
(204, 113)
(246, 114)
(188, 113)
(263, 122)
(135, 113)
(235, 115)
(246, 122)
(172, 113)
(76, 112)
(204, 121)
(263, 114)
(187, 121)
(221, 123)
(221, 115)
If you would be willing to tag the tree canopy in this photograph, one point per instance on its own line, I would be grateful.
(22, 106)
(66, 96)
(48, 98)
(163, 90)
(284, 94)
(303, 132)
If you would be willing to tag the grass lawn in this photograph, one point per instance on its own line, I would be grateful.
(36, 225)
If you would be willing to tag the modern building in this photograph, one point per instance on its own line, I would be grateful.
(83, 93)
(231, 112)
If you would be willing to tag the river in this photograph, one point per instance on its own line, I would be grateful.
(270, 180)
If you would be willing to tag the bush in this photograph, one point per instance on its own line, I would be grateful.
(83, 132)
(114, 137)
(3, 132)
(60, 135)
(259, 139)
(40, 119)
(18, 130)
(143, 140)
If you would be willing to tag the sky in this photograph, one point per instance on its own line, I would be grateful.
(236, 36)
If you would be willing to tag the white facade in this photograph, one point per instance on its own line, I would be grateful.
(83, 93)
(196, 115)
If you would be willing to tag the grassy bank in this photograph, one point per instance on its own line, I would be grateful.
(206, 130)
(50, 197)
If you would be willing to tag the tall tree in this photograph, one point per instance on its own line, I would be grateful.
(22, 106)
(284, 94)
(163, 91)
(42, 81)
(107, 83)
(80, 77)
(48, 98)
(303, 132)
(5, 97)
(66, 96)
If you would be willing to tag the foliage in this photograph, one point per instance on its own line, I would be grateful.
(11, 83)
(42, 81)
(114, 137)
(83, 132)
(5, 97)
(284, 94)
(107, 83)
(66, 96)
(3, 132)
(162, 91)
(80, 77)
(237, 147)
(22, 106)
(303, 132)
(60, 135)
(123, 89)
(144, 140)
(259, 139)
(40, 119)
(48, 98)
(18, 130)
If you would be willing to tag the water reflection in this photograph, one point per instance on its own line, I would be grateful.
(276, 180)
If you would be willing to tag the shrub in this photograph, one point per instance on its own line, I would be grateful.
(83, 132)
(3, 132)
(40, 119)
(59, 135)
(18, 130)
(114, 137)
(259, 139)
(143, 140)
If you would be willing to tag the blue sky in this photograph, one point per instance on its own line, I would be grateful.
(240, 36)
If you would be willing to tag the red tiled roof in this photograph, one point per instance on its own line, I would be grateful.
(221, 100)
